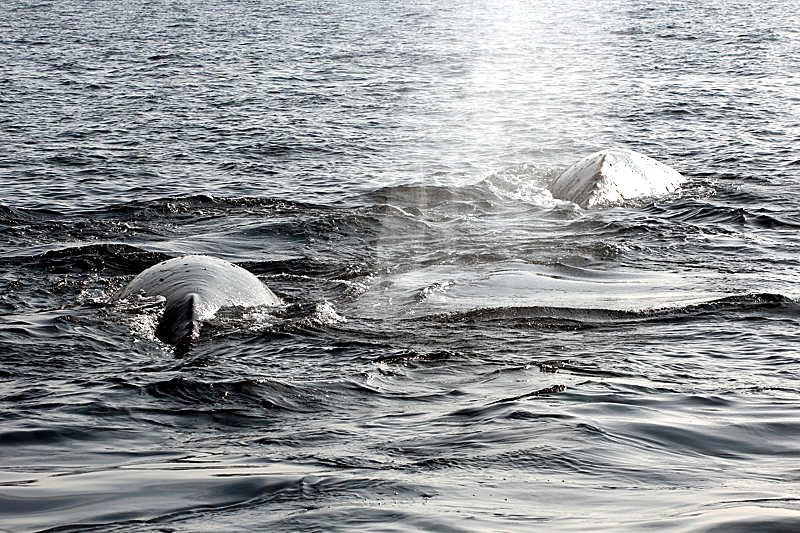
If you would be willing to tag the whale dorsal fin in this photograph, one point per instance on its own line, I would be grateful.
(180, 323)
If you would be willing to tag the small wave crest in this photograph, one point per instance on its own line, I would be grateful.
(570, 318)
(232, 395)
(438, 287)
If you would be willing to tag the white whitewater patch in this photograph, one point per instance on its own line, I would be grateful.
(261, 319)
(140, 314)
(324, 315)
(525, 183)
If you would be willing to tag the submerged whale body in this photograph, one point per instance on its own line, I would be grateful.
(195, 288)
(612, 176)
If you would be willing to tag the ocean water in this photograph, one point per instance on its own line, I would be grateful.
(457, 351)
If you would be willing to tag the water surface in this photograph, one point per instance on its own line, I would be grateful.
(457, 351)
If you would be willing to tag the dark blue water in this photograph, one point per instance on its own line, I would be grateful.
(457, 351)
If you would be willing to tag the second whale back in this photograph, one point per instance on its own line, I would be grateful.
(612, 176)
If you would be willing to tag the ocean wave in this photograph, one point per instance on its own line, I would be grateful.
(570, 318)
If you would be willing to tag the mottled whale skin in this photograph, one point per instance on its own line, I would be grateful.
(195, 288)
(613, 176)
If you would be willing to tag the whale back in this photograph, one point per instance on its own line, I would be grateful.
(613, 176)
(195, 287)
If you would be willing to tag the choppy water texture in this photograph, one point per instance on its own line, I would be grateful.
(457, 351)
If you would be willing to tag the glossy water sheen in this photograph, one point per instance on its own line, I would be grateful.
(457, 351)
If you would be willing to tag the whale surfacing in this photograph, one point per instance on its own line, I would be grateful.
(612, 176)
(195, 288)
